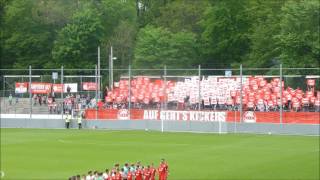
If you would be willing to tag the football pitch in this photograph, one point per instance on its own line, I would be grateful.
(59, 154)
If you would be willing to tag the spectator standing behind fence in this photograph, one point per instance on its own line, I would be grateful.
(80, 120)
(44, 99)
(83, 102)
(78, 98)
(68, 89)
(40, 100)
(88, 100)
(59, 107)
(105, 92)
(317, 105)
(34, 99)
(17, 99)
(53, 94)
(100, 104)
(93, 103)
(10, 99)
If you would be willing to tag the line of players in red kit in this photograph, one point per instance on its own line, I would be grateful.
(149, 173)
(134, 172)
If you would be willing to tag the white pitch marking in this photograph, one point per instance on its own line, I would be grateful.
(1, 174)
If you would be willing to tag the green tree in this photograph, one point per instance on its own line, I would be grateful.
(264, 51)
(4, 60)
(119, 21)
(115, 11)
(182, 16)
(30, 28)
(149, 10)
(225, 37)
(156, 47)
(77, 42)
(27, 40)
(123, 40)
(154, 33)
(299, 37)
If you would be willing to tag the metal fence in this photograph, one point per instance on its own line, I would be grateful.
(266, 95)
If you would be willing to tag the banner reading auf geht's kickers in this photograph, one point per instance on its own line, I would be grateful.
(204, 116)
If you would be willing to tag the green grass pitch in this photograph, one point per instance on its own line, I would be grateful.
(59, 154)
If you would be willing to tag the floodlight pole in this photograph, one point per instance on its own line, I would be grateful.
(62, 105)
(129, 89)
(165, 87)
(30, 94)
(4, 90)
(96, 81)
(98, 84)
(281, 109)
(111, 68)
(241, 93)
(199, 92)
(111, 58)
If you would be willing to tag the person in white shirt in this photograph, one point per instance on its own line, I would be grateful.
(90, 176)
(126, 169)
(105, 175)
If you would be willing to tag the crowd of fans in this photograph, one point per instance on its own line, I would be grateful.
(135, 171)
(215, 94)
(224, 94)
(70, 102)
(11, 99)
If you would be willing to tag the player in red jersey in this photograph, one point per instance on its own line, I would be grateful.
(146, 173)
(113, 174)
(152, 172)
(118, 175)
(138, 173)
(130, 175)
(166, 169)
(163, 170)
(113, 177)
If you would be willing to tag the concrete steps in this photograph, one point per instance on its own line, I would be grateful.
(23, 106)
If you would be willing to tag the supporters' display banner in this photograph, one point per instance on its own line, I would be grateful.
(139, 114)
(89, 86)
(204, 116)
(40, 88)
(57, 88)
(274, 117)
(21, 87)
(184, 115)
(72, 86)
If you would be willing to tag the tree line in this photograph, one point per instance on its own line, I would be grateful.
(154, 33)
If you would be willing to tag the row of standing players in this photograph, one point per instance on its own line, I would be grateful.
(134, 172)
